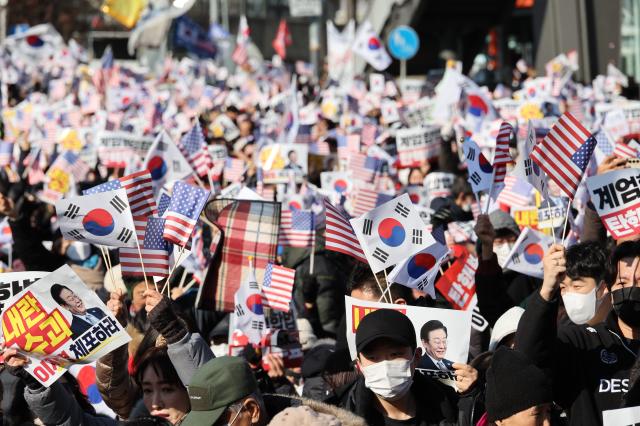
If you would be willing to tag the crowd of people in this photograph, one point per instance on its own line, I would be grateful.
(558, 345)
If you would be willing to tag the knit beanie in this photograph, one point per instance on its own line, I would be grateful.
(514, 384)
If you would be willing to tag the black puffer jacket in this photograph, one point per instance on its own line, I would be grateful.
(590, 366)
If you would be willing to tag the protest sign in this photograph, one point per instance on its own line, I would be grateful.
(57, 321)
(457, 284)
(419, 112)
(525, 216)
(115, 149)
(616, 198)
(417, 145)
(13, 283)
(280, 162)
(458, 324)
(615, 123)
(299, 8)
(551, 217)
(439, 184)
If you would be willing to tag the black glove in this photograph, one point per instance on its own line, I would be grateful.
(164, 319)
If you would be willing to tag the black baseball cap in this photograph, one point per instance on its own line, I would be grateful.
(387, 323)
(218, 384)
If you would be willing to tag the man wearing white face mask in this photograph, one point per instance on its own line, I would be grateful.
(499, 290)
(388, 393)
(583, 290)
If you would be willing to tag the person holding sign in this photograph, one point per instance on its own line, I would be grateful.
(387, 391)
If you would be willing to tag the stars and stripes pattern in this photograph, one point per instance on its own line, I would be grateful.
(604, 143)
(194, 149)
(516, 192)
(139, 190)
(501, 155)
(339, 235)
(622, 150)
(234, 170)
(163, 203)
(369, 134)
(296, 228)
(365, 199)
(564, 153)
(155, 262)
(364, 168)
(277, 287)
(71, 163)
(187, 202)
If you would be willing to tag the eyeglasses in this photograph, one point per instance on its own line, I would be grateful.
(233, 420)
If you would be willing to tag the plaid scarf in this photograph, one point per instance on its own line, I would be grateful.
(243, 228)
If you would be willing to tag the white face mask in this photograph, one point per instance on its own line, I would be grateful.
(580, 308)
(502, 252)
(389, 379)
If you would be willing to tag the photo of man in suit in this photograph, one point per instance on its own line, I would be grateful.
(434, 341)
(83, 318)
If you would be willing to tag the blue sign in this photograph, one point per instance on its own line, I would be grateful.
(403, 43)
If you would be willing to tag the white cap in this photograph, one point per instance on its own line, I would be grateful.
(506, 325)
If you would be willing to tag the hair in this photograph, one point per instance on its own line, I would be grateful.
(362, 279)
(293, 151)
(626, 249)
(56, 289)
(412, 170)
(237, 406)
(158, 359)
(586, 260)
(148, 342)
(461, 186)
(430, 326)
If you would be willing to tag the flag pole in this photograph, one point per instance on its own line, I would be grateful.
(553, 229)
(382, 291)
(493, 177)
(107, 262)
(566, 219)
(144, 273)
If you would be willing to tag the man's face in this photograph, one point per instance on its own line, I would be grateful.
(293, 157)
(385, 349)
(436, 346)
(539, 415)
(628, 273)
(72, 302)
(582, 285)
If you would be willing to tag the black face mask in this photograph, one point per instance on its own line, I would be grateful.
(626, 303)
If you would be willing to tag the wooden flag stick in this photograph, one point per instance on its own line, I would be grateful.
(382, 291)
(493, 177)
(175, 266)
(144, 273)
(183, 278)
(107, 264)
(188, 286)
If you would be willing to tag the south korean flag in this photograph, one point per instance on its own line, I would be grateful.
(419, 270)
(391, 232)
(103, 218)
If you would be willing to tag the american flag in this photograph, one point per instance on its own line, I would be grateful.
(622, 150)
(6, 153)
(277, 287)
(348, 144)
(195, 150)
(604, 143)
(297, 228)
(234, 169)
(71, 163)
(369, 134)
(187, 202)
(366, 199)
(156, 262)
(139, 189)
(339, 234)
(363, 167)
(163, 203)
(320, 148)
(564, 153)
(516, 192)
(501, 155)
(304, 134)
